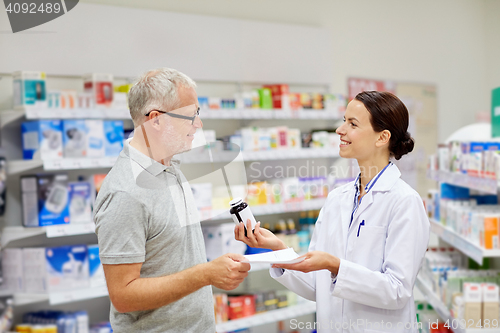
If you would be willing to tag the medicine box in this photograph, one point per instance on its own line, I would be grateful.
(42, 139)
(45, 200)
(491, 229)
(96, 272)
(202, 194)
(12, 269)
(100, 86)
(472, 298)
(74, 138)
(113, 137)
(29, 89)
(490, 302)
(56, 268)
(80, 202)
(95, 138)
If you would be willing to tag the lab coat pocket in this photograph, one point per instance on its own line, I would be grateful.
(369, 247)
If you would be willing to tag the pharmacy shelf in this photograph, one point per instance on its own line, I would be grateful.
(268, 114)
(19, 166)
(274, 154)
(443, 311)
(280, 208)
(304, 308)
(487, 185)
(10, 234)
(9, 116)
(61, 297)
(474, 251)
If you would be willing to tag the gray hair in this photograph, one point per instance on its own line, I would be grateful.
(156, 89)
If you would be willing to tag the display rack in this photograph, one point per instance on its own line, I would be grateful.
(303, 308)
(263, 155)
(268, 114)
(474, 251)
(20, 166)
(62, 297)
(443, 311)
(29, 113)
(488, 185)
(11, 234)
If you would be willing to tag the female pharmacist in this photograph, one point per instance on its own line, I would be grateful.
(371, 235)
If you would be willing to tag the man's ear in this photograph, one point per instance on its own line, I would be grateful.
(384, 138)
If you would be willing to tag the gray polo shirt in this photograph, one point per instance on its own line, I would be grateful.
(145, 213)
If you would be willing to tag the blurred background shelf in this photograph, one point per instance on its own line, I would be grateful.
(474, 251)
(487, 185)
(303, 308)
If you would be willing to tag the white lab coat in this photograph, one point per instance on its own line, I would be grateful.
(378, 268)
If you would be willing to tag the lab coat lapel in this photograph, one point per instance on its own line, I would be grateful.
(346, 210)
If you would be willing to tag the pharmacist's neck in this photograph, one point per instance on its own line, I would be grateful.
(139, 143)
(370, 168)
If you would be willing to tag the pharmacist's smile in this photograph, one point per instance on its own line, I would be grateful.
(344, 143)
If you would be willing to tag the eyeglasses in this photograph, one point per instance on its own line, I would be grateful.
(174, 115)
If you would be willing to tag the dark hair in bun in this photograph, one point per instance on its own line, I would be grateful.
(387, 112)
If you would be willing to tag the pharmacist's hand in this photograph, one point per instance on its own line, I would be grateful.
(227, 272)
(314, 261)
(260, 238)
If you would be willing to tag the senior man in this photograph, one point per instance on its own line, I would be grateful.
(150, 240)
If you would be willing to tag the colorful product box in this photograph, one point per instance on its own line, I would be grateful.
(74, 138)
(101, 88)
(279, 93)
(113, 137)
(56, 269)
(95, 138)
(45, 200)
(29, 89)
(96, 272)
(80, 202)
(241, 306)
(42, 139)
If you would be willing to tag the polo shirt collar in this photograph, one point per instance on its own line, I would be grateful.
(145, 162)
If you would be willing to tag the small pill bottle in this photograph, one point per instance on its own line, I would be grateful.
(240, 212)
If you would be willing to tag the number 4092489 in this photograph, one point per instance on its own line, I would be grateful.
(33, 8)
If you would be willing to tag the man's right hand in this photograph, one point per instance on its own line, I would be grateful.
(227, 272)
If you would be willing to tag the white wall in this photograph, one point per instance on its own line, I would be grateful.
(440, 42)
(492, 10)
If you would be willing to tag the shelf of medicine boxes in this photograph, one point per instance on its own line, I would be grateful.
(11, 234)
(19, 166)
(294, 311)
(44, 113)
(268, 114)
(443, 311)
(472, 250)
(488, 185)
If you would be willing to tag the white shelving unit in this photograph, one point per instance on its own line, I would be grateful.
(268, 114)
(45, 113)
(61, 297)
(303, 308)
(263, 155)
(11, 234)
(443, 311)
(19, 166)
(487, 185)
(462, 244)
